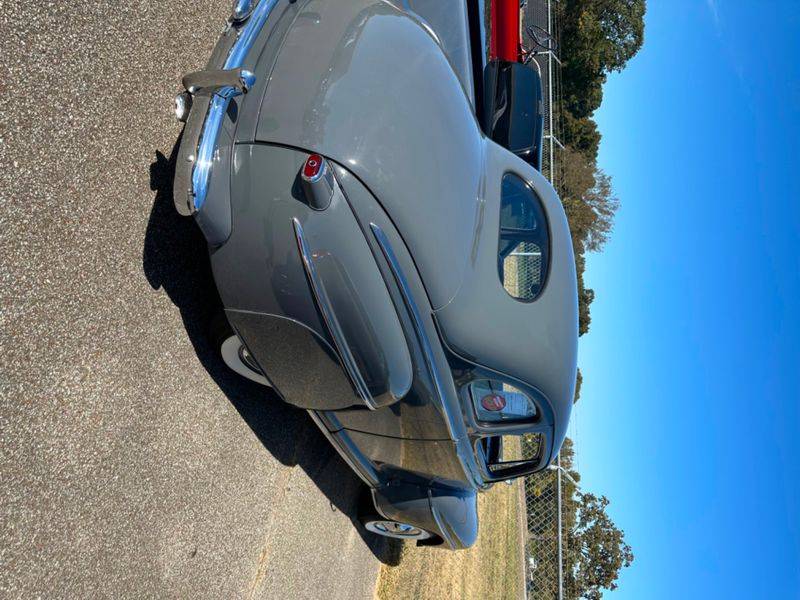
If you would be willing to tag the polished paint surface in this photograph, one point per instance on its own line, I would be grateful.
(540, 341)
(378, 96)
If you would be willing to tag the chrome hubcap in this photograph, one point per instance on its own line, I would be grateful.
(392, 527)
(397, 529)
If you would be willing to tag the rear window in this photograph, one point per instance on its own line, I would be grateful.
(496, 402)
(523, 253)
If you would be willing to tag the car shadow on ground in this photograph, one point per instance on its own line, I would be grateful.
(175, 259)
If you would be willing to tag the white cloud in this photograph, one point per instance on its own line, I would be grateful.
(714, 9)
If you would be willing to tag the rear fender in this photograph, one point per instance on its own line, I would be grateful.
(311, 271)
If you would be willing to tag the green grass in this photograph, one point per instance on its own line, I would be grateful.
(492, 568)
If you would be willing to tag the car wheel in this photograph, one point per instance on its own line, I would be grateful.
(233, 352)
(394, 529)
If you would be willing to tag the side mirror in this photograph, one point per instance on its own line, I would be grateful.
(513, 110)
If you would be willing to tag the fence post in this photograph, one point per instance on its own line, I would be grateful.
(550, 98)
(560, 536)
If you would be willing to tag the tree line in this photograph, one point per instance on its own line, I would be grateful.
(598, 37)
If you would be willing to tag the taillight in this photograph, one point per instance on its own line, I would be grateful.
(317, 177)
(313, 167)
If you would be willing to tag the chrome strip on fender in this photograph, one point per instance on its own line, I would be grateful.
(329, 317)
(349, 453)
(448, 538)
(422, 337)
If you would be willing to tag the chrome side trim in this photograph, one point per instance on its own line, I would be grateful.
(365, 472)
(424, 342)
(329, 317)
(416, 317)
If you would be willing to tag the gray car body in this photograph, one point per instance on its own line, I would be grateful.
(405, 256)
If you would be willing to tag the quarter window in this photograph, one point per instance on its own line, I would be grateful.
(523, 252)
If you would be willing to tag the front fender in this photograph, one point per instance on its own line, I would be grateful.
(451, 512)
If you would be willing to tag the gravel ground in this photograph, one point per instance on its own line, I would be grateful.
(132, 463)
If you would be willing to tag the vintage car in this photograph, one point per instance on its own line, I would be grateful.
(383, 264)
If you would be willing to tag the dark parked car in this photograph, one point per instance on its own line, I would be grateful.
(383, 263)
(512, 113)
(514, 108)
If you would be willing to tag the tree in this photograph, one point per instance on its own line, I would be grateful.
(598, 37)
(578, 384)
(589, 201)
(597, 550)
(600, 205)
(621, 31)
(580, 134)
(585, 299)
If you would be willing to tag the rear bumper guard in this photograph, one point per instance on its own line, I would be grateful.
(204, 103)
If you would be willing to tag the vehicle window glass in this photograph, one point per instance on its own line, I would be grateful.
(496, 402)
(523, 105)
(524, 240)
(507, 452)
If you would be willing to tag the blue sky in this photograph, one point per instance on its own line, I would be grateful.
(688, 419)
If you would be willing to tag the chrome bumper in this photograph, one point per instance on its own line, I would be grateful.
(204, 103)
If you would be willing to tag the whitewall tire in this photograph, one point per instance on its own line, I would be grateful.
(233, 352)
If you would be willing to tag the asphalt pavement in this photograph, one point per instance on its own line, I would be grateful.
(132, 463)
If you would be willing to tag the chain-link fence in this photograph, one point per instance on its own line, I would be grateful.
(541, 546)
(551, 502)
(541, 37)
(548, 495)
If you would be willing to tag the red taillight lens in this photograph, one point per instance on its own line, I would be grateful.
(312, 167)
(317, 180)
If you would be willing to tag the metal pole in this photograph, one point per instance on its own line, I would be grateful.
(550, 93)
(566, 474)
(560, 551)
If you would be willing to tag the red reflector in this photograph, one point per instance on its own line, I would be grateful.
(313, 166)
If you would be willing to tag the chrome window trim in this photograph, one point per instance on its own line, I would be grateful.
(546, 254)
(329, 317)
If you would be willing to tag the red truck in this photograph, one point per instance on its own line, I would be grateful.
(506, 36)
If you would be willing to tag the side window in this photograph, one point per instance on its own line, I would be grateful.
(512, 455)
(523, 252)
